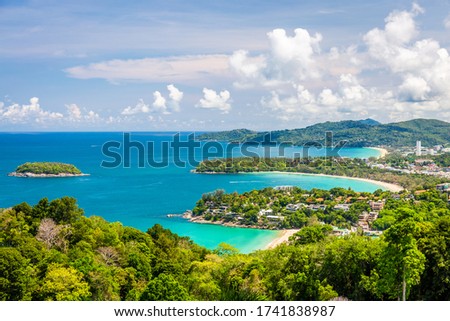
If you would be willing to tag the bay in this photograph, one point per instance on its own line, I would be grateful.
(142, 197)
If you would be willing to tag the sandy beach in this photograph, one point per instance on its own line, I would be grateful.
(283, 238)
(391, 187)
(383, 151)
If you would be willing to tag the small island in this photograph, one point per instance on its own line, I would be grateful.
(46, 169)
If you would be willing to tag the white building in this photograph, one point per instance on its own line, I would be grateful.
(295, 207)
(418, 148)
(344, 207)
(265, 212)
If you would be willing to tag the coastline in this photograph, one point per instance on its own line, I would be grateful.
(284, 235)
(200, 220)
(32, 175)
(389, 186)
(383, 151)
(282, 238)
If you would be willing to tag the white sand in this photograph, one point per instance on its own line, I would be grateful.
(283, 238)
(383, 151)
(391, 187)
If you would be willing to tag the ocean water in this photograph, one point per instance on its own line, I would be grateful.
(142, 197)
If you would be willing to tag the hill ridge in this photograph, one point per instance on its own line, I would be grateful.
(357, 133)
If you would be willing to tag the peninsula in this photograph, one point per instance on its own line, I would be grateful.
(292, 208)
(46, 169)
(353, 168)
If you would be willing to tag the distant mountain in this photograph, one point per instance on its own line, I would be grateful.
(361, 133)
(370, 122)
(238, 135)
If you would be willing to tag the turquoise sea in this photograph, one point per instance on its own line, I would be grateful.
(142, 197)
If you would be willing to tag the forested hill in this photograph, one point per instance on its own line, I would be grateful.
(360, 133)
(51, 251)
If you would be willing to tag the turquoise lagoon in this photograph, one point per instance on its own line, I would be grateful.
(142, 197)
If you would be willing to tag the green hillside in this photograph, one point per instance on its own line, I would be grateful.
(52, 252)
(357, 133)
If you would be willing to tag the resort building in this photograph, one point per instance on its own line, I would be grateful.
(284, 188)
(266, 212)
(344, 207)
(372, 216)
(376, 205)
(316, 207)
(445, 187)
(340, 232)
(275, 218)
(295, 207)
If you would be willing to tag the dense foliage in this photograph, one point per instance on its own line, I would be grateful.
(53, 168)
(51, 251)
(320, 165)
(399, 161)
(442, 160)
(356, 133)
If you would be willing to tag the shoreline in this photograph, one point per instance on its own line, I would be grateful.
(32, 175)
(200, 220)
(389, 186)
(383, 151)
(284, 235)
(282, 238)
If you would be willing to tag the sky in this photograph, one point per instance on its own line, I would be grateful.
(216, 65)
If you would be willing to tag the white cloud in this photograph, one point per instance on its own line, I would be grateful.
(33, 115)
(213, 100)
(246, 66)
(175, 96)
(423, 65)
(180, 69)
(414, 89)
(160, 103)
(293, 57)
(328, 98)
(447, 22)
(141, 107)
(393, 45)
(74, 112)
(350, 99)
(394, 71)
(301, 103)
(92, 117)
(290, 59)
(391, 71)
(19, 114)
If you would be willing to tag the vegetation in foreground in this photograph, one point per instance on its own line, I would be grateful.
(51, 251)
(49, 168)
(349, 167)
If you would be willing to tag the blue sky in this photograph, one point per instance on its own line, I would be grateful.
(211, 65)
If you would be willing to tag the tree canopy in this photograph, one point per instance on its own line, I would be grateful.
(51, 251)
